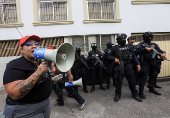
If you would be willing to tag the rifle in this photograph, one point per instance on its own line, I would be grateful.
(82, 60)
(120, 68)
(155, 52)
(98, 61)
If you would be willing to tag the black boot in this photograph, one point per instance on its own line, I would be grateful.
(92, 90)
(117, 97)
(85, 90)
(142, 95)
(101, 87)
(154, 91)
(136, 97)
(108, 86)
(156, 86)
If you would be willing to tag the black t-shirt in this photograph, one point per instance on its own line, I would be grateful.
(21, 69)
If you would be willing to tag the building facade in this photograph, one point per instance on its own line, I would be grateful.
(81, 22)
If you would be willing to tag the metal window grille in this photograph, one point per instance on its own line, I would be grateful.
(53, 10)
(101, 45)
(101, 9)
(8, 12)
(11, 48)
(78, 41)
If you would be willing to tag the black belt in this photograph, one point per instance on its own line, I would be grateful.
(12, 102)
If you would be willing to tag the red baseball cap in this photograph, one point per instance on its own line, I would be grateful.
(50, 48)
(25, 38)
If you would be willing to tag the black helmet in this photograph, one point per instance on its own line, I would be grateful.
(78, 50)
(120, 37)
(109, 45)
(94, 46)
(146, 36)
(131, 38)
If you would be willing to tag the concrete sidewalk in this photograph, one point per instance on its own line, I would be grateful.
(100, 104)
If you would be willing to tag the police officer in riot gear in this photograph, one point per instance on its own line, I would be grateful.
(131, 41)
(109, 64)
(149, 63)
(79, 68)
(96, 69)
(122, 55)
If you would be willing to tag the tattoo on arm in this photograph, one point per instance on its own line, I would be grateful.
(25, 86)
(37, 74)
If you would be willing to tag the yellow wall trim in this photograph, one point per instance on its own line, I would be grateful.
(151, 2)
(11, 25)
(102, 21)
(154, 33)
(53, 23)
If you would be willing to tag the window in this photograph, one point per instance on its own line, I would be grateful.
(150, 2)
(53, 11)
(101, 11)
(81, 42)
(101, 43)
(84, 42)
(10, 13)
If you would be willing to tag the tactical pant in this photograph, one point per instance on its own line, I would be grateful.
(158, 68)
(71, 91)
(109, 73)
(78, 73)
(96, 73)
(135, 70)
(147, 70)
(128, 72)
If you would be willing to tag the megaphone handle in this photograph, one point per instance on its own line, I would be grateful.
(50, 71)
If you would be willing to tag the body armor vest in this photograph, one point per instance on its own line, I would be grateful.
(124, 54)
(147, 55)
(96, 53)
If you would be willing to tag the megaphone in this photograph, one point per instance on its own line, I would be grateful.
(74, 83)
(63, 56)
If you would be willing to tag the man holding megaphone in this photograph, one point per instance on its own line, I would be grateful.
(28, 86)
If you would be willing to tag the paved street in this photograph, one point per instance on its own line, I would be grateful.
(100, 104)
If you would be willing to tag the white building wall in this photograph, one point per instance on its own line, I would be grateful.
(135, 18)
(3, 63)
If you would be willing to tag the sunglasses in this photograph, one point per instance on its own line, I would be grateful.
(29, 43)
(93, 44)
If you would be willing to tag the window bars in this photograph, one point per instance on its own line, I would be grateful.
(11, 48)
(101, 9)
(53, 10)
(8, 12)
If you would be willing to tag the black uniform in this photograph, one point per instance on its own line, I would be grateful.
(71, 91)
(124, 54)
(148, 64)
(95, 68)
(108, 61)
(79, 68)
(134, 65)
